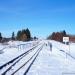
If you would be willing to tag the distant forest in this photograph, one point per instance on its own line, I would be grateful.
(58, 36)
(25, 35)
(22, 35)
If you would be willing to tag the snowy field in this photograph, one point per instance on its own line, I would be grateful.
(38, 59)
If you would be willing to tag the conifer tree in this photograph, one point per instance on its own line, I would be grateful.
(0, 37)
(13, 36)
(28, 34)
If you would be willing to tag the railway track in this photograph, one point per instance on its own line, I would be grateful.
(17, 58)
(28, 63)
(9, 67)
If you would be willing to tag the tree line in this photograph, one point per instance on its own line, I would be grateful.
(58, 36)
(22, 35)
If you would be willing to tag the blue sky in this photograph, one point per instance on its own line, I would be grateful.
(42, 17)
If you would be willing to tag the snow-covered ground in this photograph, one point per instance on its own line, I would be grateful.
(14, 49)
(53, 63)
(46, 63)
